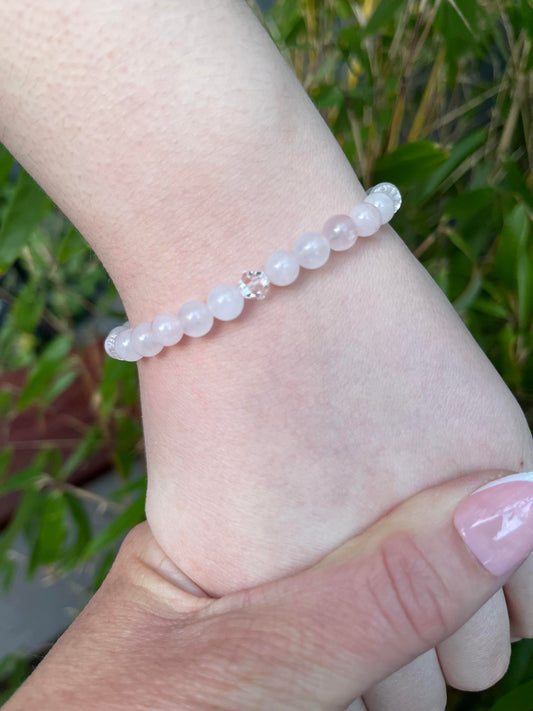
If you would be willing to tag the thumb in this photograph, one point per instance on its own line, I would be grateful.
(322, 637)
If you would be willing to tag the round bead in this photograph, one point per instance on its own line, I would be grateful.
(225, 302)
(312, 250)
(143, 342)
(340, 231)
(282, 268)
(383, 203)
(167, 329)
(390, 190)
(124, 348)
(196, 318)
(367, 219)
(109, 343)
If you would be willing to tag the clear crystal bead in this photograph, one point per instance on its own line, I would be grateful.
(254, 285)
(390, 190)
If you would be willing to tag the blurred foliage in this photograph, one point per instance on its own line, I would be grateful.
(433, 95)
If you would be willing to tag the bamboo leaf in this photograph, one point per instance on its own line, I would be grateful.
(52, 532)
(382, 15)
(114, 531)
(459, 153)
(6, 163)
(26, 208)
(411, 163)
(22, 479)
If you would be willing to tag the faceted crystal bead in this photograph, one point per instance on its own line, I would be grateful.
(254, 285)
(390, 190)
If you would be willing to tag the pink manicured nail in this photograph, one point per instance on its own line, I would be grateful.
(496, 522)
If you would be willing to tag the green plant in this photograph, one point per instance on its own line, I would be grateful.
(433, 95)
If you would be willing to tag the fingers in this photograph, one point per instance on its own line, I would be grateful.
(419, 686)
(385, 597)
(519, 594)
(477, 655)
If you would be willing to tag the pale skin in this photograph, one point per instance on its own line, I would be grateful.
(181, 145)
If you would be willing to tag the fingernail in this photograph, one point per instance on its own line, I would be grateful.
(496, 522)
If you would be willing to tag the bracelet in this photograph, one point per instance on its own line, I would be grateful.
(226, 301)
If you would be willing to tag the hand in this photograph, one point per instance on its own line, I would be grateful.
(280, 435)
(315, 640)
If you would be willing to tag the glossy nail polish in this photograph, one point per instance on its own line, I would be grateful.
(496, 522)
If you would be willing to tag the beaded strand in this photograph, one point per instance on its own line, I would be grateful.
(226, 301)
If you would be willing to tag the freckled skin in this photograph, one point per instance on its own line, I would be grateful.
(185, 153)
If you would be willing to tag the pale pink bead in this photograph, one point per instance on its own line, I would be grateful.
(367, 219)
(312, 250)
(282, 268)
(196, 318)
(341, 232)
(142, 340)
(225, 302)
(124, 347)
(383, 203)
(167, 329)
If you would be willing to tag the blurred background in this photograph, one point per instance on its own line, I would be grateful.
(435, 96)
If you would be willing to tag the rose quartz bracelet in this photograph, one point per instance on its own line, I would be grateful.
(226, 301)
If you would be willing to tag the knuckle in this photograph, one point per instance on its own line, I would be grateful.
(417, 596)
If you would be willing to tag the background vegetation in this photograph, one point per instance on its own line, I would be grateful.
(434, 95)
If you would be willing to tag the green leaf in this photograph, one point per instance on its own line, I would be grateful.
(40, 378)
(411, 163)
(52, 532)
(83, 531)
(520, 699)
(114, 531)
(6, 456)
(512, 246)
(128, 435)
(103, 568)
(62, 383)
(382, 15)
(88, 445)
(6, 163)
(57, 349)
(50, 365)
(26, 208)
(23, 479)
(459, 153)
(28, 307)
(26, 511)
(327, 96)
(490, 308)
(517, 184)
(6, 400)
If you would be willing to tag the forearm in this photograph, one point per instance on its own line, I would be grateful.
(173, 134)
